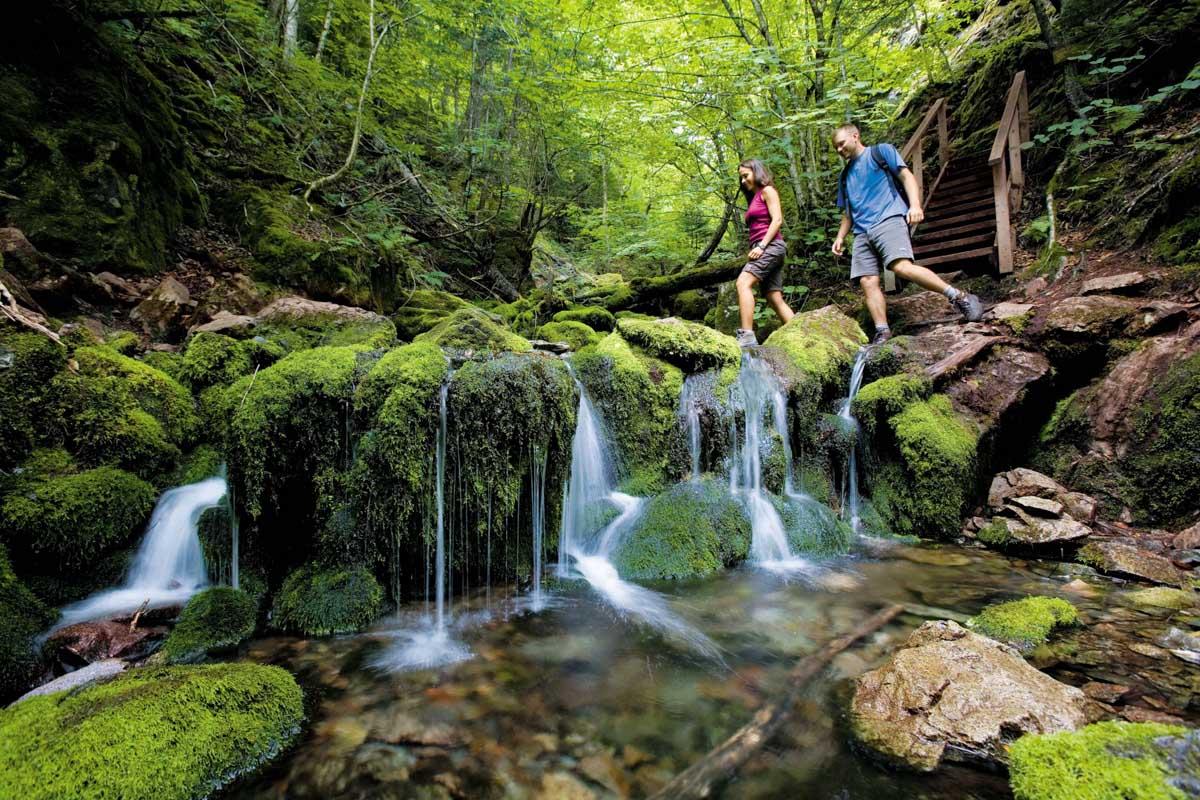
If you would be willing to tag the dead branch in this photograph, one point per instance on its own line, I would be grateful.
(10, 310)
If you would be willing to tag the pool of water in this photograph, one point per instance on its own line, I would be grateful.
(577, 700)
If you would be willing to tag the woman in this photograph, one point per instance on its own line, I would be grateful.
(764, 219)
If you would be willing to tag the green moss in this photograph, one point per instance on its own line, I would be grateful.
(596, 318)
(1092, 556)
(690, 530)
(166, 362)
(1163, 597)
(422, 310)
(172, 733)
(1098, 762)
(24, 618)
(125, 343)
(213, 621)
(812, 528)
(419, 365)
(637, 396)
(820, 343)
(886, 397)
(320, 602)
(28, 361)
(203, 462)
(925, 491)
(475, 330)
(212, 358)
(576, 334)
(995, 533)
(1024, 623)
(72, 519)
(688, 345)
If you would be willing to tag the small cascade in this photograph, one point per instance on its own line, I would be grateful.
(590, 483)
(537, 499)
(169, 566)
(856, 378)
(690, 399)
(234, 537)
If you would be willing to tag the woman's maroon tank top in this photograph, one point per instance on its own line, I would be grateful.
(758, 219)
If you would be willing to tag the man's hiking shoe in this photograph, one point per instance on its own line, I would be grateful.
(746, 339)
(881, 336)
(969, 306)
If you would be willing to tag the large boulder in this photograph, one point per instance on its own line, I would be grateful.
(297, 322)
(24, 619)
(315, 601)
(215, 620)
(28, 362)
(172, 733)
(954, 695)
(421, 309)
(472, 331)
(164, 313)
(1127, 559)
(688, 345)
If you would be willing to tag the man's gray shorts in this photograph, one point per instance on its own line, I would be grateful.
(768, 267)
(888, 241)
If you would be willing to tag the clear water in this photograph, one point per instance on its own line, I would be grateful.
(856, 379)
(537, 500)
(583, 690)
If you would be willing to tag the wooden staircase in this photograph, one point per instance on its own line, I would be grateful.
(969, 204)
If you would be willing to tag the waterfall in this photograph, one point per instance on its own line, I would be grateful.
(856, 378)
(537, 499)
(689, 409)
(440, 495)
(590, 483)
(169, 566)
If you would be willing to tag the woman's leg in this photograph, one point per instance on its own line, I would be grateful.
(782, 309)
(745, 292)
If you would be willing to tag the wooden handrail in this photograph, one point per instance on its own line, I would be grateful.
(913, 154)
(915, 140)
(1012, 109)
(1008, 175)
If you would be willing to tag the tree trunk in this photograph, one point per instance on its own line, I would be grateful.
(718, 234)
(291, 26)
(324, 30)
(1074, 90)
(640, 291)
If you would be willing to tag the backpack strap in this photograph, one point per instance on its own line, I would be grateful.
(883, 164)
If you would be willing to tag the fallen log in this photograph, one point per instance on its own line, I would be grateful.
(703, 777)
(640, 291)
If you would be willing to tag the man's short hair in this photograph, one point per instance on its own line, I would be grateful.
(847, 127)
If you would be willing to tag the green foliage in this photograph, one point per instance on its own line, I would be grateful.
(1024, 623)
(1101, 761)
(475, 330)
(320, 602)
(24, 618)
(995, 533)
(812, 528)
(203, 462)
(27, 363)
(596, 318)
(576, 334)
(687, 345)
(173, 733)
(214, 620)
(212, 358)
(71, 520)
(690, 530)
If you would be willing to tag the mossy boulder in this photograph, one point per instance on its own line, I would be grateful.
(821, 344)
(596, 318)
(213, 358)
(886, 397)
(297, 323)
(70, 520)
(473, 330)
(812, 529)
(1163, 597)
(637, 396)
(688, 345)
(24, 619)
(1131, 761)
(203, 462)
(215, 620)
(690, 530)
(28, 361)
(420, 365)
(925, 480)
(172, 733)
(575, 334)
(422, 309)
(1024, 623)
(319, 601)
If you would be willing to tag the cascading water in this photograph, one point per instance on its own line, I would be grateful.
(169, 566)
(856, 378)
(537, 498)
(690, 399)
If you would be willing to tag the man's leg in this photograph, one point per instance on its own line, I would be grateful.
(966, 304)
(782, 309)
(745, 293)
(876, 304)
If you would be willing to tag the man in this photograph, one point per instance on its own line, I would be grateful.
(872, 204)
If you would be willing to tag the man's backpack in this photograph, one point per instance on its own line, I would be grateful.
(883, 164)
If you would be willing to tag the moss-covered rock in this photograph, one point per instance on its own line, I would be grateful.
(203, 462)
(316, 601)
(213, 358)
(812, 528)
(172, 733)
(24, 618)
(821, 343)
(886, 397)
(925, 489)
(420, 365)
(213, 621)
(690, 530)
(637, 396)
(1131, 761)
(28, 361)
(1163, 597)
(1024, 623)
(576, 334)
(596, 318)
(422, 309)
(473, 329)
(70, 520)
(688, 345)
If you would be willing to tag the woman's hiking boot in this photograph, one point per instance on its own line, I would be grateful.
(746, 338)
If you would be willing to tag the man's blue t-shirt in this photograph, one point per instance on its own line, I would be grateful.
(873, 196)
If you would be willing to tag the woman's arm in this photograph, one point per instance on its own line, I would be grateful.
(771, 198)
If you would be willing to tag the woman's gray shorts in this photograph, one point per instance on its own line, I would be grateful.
(884, 243)
(768, 267)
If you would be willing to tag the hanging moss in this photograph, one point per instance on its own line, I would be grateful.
(1131, 761)
(320, 602)
(73, 519)
(1024, 623)
(687, 345)
(638, 397)
(575, 334)
(596, 318)
(473, 329)
(24, 619)
(28, 361)
(212, 358)
(691, 530)
(215, 620)
(172, 733)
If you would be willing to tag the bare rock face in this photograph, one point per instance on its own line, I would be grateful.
(98, 671)
(229, 324)
(1124, 282)
(1127, 559)
(1022, 482)
(88, 642)
(952, 694)
(1187, 539)
(298, 307)
(1037, 509)
(163, 313)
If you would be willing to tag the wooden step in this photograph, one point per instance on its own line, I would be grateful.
(936, 224)
(959, 205)
(965, 181)
(922, 235)
(949, 258)
(955, 244)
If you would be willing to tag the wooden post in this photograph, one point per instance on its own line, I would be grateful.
(1023, 110)
(1015, 171)
(1004, 242)
(943, 137)
(918, 171)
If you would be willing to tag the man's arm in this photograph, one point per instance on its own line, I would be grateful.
(843, 230)
(915, 214)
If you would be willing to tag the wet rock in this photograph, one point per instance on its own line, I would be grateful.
(384, 762)
(163, 313)
(558, 348)
(563, 786)
(1139, 714)
(399, 727)
(604, 770)
(1129, 560)
(99, 671)
(235, 325)
(89, 642)
(1105, 692)
(1039, 505)
(1121, 283)
(938, 558)
(952, 694)
(1187, 539)
(1162, 597)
